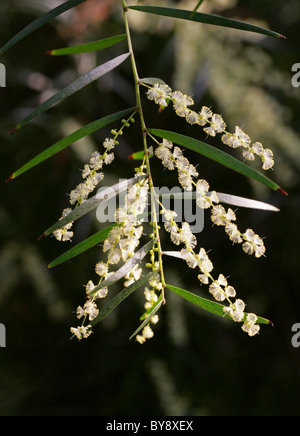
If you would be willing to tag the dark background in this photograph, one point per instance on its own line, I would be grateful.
(196, 364)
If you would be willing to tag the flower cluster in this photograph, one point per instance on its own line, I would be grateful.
(219, 289)
(171, 159)
(151, 297)
(162, 95)
(91, 172)
(252, 243)
(92, 176)
(65, 233)
(120, 244)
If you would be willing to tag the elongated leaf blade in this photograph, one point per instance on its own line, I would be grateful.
(217, 155)
(208, 305)
(88, 47)
(72, 88)
(224, 198)
(147, 320)
(91, 204)
(245, 202)
(115, 301)
(139, 155)
(126, 268)
(152, 81)
(39, 22)
(205, 18)
(70, 139)
(82, 246)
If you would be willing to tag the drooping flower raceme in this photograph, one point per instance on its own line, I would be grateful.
(120, 245)
(163, 95)
(173, 158)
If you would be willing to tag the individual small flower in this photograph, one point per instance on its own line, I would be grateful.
(204, 262)
(187, 237)
(162, 152)
(204, 200)
(189, 257)
(101, 293)
(101, 269)
(217, 125)
(133, 275)
(160, 94)
(204, 116)
(233, 233)
(109, 144)
(64, 234)
(251, 151)
(253, 244)
(236, 310)
(250, 325)
(267, 159)
(181, 103)
(216, 288)
(147, 332)
(90, 310)
(169, 214)
(154, 319)
(109, 158)
(96, 161)
(192, 117)
(86, 171)
(258, 148)
(140, 339)
(89, 287)
(221, 217)
(81, 331)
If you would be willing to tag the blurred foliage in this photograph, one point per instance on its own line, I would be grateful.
(195, 364)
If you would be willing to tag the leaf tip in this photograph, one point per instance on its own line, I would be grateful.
(270, 323)
(12, 131)
(43, 235)
(282, 37)
(130, 156)
(49, 52)
(282, 191)
(12, 176)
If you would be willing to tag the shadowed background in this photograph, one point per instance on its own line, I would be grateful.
(196, 364)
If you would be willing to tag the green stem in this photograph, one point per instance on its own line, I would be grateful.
(144, 134)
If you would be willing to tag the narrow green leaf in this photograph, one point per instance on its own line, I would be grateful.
(90, 46)
(147, 320)
(70, 139)
(126, 268)
(216, 155)
(82, 246)
(91, 204)
(115, 301)
(205, 18)
(197, 6)
(73, 87)
(245, 202)
(152, 81)
(139, 155)
(39, 22)
(209, 306)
